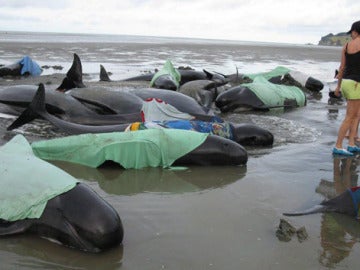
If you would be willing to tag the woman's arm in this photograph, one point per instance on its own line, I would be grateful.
(341, 70)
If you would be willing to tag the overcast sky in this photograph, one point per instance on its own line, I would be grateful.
(289, 21)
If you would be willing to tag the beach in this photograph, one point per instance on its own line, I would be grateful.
(202, 217)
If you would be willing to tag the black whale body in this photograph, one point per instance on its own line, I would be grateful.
(69, 108)
(187, 75)
(126, 102)
(131, 101)
(215, 150)
(78, 218)
(239, 97)
(10, 70)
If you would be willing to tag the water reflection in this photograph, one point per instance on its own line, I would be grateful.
(114, 180)
(31, 252)
(334, 103)
(339, 233)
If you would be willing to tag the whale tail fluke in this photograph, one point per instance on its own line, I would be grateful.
(33, 111)
(345, 203)
(313, 210)
(104, 76)
(74, 76)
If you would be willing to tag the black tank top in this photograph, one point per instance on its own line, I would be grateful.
(352, 66)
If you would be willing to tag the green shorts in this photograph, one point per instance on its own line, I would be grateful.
(350, 89)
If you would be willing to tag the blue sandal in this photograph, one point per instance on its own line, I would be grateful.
(353, 149)
(342, 152)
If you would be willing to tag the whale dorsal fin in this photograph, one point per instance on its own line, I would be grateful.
(74, 76)
(75, 72)
(33, 111)
(104, 76)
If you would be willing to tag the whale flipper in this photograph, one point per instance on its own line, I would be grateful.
(10, 228)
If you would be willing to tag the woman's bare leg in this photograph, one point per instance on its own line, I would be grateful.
(349, 123)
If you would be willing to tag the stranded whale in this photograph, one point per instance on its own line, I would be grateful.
(215, 150)
(24, 67)
(260, 94)
(245, 134)
(41, 199)
(346, 203)
(78, 218)
(187, 75)
(70, 109)
(122, 102)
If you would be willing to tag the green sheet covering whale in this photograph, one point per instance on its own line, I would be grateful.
(27, 182)
(278, 71)
(135, 149)
(168, 69)
(273, 95)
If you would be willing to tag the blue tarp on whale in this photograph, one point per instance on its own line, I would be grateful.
(29, 66)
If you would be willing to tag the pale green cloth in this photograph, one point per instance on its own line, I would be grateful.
(134, 149)
(278, 71)
(27, 182)
(273, 95)
(168, 69)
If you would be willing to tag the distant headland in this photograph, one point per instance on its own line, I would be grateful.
(335, 40)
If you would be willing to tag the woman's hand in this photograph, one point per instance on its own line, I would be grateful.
(337, 91)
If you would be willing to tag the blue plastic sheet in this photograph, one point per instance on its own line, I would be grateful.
(29, 66)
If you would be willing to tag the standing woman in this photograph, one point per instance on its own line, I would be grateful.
(349, 82)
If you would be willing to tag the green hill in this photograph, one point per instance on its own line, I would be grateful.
(335, 40)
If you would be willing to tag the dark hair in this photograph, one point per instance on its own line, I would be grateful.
(355, 27)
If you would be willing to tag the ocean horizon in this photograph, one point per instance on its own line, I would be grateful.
(28, 36)
(129, 55)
